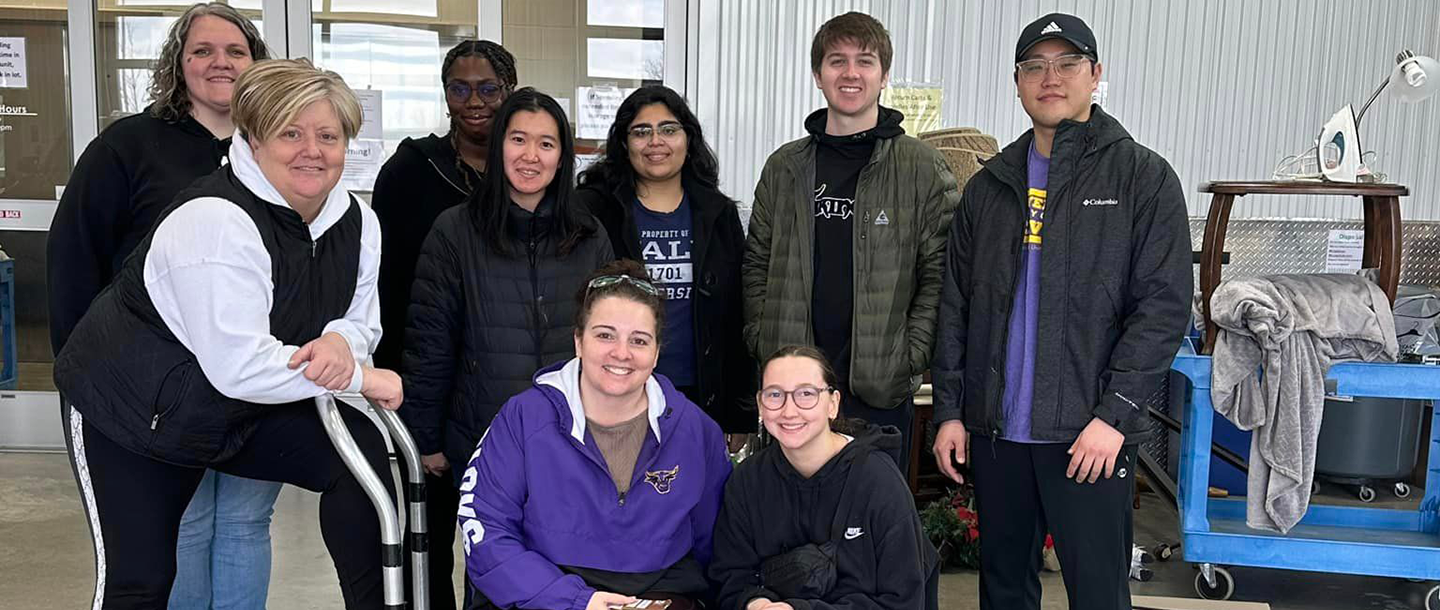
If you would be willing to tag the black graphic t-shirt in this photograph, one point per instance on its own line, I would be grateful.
(838, 162)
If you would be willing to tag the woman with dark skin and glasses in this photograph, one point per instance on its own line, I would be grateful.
(425, 177)
(656, 191)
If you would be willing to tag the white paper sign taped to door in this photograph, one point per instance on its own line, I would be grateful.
(13, 72)
(595, 110)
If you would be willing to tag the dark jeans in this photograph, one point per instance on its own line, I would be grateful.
(133, 503)
(1021, 492)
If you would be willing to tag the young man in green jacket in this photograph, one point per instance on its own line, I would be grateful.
(1067, 292)
(847, 236)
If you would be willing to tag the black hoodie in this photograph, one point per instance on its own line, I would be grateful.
(415, 185)
(882, 556)
(121, 184)
(838, 163)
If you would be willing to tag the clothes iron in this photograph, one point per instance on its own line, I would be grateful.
(1338, 150)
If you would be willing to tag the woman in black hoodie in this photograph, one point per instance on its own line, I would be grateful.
(656, 191)
(821, 496)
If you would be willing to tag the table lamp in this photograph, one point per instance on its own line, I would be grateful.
(1338, 152)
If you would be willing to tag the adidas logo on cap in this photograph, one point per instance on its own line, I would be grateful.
(1050, 29)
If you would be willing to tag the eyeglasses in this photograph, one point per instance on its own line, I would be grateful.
(1066, 67)
(668, 132)
(805, 397)
(460, 91)
(611, 280)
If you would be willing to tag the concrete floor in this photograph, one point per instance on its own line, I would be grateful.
(46, 559)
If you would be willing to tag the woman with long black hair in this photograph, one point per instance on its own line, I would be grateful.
(425, 177)
(656, 191)
(491, 301)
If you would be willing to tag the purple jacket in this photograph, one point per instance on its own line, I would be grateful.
(537, 495)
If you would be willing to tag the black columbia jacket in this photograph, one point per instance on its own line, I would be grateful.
(1115, 284)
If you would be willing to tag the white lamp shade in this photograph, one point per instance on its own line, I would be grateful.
(1421, 82)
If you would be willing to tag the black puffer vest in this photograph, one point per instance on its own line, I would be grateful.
(126, 372)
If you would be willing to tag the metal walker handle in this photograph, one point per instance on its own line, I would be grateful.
(392, 564)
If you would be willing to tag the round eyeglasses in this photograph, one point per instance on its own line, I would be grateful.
(460, 91)
(805, 397)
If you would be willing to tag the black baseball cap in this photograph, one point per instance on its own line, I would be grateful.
(1069, 28)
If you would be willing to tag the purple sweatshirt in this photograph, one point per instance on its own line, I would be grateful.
(538, 495)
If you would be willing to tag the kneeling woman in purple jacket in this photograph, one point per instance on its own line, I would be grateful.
(599, 484)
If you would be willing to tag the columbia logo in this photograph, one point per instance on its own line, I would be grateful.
(882, 219)
(1050, 29)
(1094, 202)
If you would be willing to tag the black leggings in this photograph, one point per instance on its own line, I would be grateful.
(134, 503)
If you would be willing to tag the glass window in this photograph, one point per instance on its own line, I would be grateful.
(624, 58)
(393, 50)
(626, 13)
(589, 54)
(34, 101)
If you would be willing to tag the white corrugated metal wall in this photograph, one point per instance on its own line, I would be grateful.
(1221, 88)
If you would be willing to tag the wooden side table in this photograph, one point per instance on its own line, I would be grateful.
(1382, 229)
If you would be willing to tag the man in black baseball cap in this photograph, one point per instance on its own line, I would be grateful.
(1044, 361)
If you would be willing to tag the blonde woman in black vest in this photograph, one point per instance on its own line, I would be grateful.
(252, 296)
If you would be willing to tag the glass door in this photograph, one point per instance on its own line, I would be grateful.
(586, 53)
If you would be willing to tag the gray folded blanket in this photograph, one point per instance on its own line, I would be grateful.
(1291, 327)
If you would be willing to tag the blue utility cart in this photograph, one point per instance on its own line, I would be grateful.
(1335, 539)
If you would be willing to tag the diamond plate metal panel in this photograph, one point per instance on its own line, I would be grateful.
(1271, 246)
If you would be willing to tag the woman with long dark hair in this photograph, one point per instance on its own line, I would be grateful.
(490, 304)
(656, 193)
(425, 177)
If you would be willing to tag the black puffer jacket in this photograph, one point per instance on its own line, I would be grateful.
(725, 373)
(1115, 284)
(481, 324)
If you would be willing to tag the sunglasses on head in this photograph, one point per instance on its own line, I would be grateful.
(610, 280)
